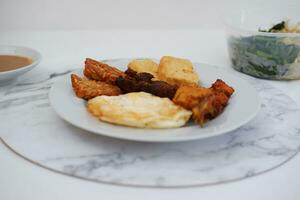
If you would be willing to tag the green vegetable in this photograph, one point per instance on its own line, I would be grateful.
(262, 56)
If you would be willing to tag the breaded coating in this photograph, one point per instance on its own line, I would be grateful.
(205, 103)
(221, 86)
(205, 110)
(189, 96)
(88, 89)
(101, 72)
(177, 71)
(145, 65)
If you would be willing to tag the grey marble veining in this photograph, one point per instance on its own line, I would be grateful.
(30, 127)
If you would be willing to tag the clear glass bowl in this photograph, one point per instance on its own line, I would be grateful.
(262, 54)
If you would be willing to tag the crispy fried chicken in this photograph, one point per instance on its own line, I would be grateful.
(205, 103)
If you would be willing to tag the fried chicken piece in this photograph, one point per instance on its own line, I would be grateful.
(205, 103)
(141, 82)
(88, 89)
(222, 87)
(189, 96)
(222, 93)
(220, 101)
(101, 72)
(205, 110)
(197, 99)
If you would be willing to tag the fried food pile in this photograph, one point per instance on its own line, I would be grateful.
(168, 91)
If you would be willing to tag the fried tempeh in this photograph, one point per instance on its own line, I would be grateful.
(101, 72)
(88, 89)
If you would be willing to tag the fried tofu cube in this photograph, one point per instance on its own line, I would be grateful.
(145, 65)
(177, 71)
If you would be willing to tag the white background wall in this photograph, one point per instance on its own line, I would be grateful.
(119, 14)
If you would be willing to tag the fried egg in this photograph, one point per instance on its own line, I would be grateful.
(139, 109)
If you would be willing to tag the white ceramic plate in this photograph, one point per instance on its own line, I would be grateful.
(243, 106)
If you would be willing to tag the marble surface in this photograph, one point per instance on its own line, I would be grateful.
(33, 130)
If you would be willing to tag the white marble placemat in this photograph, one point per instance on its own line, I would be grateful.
(30, 127)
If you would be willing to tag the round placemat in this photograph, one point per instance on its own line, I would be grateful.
(31, 128)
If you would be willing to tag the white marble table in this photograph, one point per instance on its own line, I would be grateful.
(20, 179)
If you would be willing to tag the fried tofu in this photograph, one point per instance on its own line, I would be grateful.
(177, 71)
(145, 65)
(139, 109)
